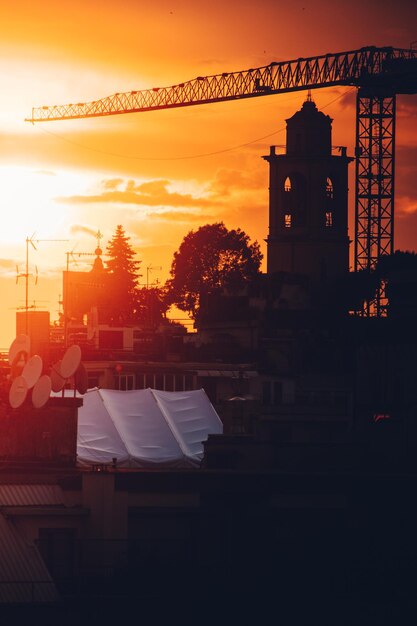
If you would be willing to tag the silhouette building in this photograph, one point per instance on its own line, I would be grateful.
(83, 291)
(308, 200)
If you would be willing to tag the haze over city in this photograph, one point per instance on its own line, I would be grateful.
(163, 173)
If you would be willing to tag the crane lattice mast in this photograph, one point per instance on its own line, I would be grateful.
(379, 74)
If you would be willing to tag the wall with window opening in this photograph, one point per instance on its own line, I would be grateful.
(329, 204)
(294, 200)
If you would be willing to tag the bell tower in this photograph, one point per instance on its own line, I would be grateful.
(308, 200)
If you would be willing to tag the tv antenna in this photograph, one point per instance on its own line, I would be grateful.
(35, 305)
(26, 274)
(97, 253)
(149, 269)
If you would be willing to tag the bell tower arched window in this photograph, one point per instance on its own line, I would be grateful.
(294, 201)
(287, 202)
(329, 204)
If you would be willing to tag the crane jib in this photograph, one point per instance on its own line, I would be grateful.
(392, 69)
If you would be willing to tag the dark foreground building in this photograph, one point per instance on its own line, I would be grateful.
(313, 533)
(302, 512)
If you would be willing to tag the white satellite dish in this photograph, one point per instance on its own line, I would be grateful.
(57, 380)
(18, 363)
(18, 392)
(41, 391)
(32, 370)
(20, 344)
(70, 361)
(81, 379)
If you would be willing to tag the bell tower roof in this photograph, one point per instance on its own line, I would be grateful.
(309, 131)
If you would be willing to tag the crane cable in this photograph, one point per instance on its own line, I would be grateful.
(182, 158)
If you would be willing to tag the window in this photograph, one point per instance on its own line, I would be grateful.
(329, 204)
(58, 548)
(149, 381)
(124, 382)
(329, 189)
(179, 383)
(266, 393)
(140, 381)
(294, 200)
(272, 392)
(169, 382)
(94, 378)
(159, 381)
(189, 382)
(277, 391)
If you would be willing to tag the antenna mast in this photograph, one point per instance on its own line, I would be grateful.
(31, 241)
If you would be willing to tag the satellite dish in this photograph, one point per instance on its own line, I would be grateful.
(81, 379)
(57, 380)
(18, 363)
(18, 392)
(19, 345)
(32, 370)
(41, 391)
(70, 361)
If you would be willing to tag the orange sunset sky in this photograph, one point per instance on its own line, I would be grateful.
(163, 173)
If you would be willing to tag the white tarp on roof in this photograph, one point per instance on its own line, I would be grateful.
(145, 428)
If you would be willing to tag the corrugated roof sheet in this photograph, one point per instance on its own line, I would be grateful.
(24, 577)
(31, 495)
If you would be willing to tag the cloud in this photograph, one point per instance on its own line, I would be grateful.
(7, 265)
(405, 229)
(149, 187)
(227, 181)
(112, 183)
(405, 179)
(181, 216)
(45, 172)
(348, 99)
(83, 230)
(150, 193)
(407, 106)
(405, 205)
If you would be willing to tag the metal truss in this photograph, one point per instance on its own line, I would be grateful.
(343, 68)
(374, 198)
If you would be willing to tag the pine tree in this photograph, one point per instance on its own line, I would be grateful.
(124, 269)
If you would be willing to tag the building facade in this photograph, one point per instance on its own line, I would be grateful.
(308, 200)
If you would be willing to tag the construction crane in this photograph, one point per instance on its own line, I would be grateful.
(379, 74)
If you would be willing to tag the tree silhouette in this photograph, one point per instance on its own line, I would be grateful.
(124, 269)
(152, 306)
(208, 261)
